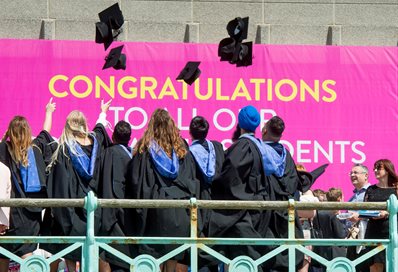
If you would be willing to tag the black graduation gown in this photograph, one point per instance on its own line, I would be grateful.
(114, 166)
(242, 178)
(27, 221)
(282, 189)
(205, 187)
(65, 182)
(144, 182)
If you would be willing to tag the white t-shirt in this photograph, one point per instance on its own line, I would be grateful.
(5, 193)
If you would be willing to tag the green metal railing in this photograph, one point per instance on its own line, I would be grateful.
(91, 243)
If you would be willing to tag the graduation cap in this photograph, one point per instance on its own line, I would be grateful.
(109, 27)
(226, 49)
(232, 49)
(190, 72)
(307, 179)
(245, 54)
(237, 28)
(115, 59)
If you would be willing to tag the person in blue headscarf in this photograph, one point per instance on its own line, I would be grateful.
(162, 168)
(26, 160)
(209, 157)
(243, 177)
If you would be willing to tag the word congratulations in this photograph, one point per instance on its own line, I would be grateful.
(252, 89)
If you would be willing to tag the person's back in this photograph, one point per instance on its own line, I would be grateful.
(209, 157)
(242, 178)
(162, 168)
(114, 166)
(74, 172)
(284, 185)
(331, 228)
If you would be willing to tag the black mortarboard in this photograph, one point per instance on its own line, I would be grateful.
(190, 72)
(226, 49)
(115, 59)
(245, 54)
(237, 28)
(110, 19)
(307, 179)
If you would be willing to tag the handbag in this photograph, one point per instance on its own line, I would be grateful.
(353, 231)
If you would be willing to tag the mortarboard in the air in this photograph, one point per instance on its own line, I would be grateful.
(110, 19)
(245, 54)
(307, 179)
(226, 49)
(190, 72)
(115, 59)
(237, 28)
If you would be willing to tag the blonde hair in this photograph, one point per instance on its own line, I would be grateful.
(162, 129)
(19, 135)
(75, 126)
(300, 167)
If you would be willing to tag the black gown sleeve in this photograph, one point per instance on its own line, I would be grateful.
(45, 143)
(102, 136)
(138, 186)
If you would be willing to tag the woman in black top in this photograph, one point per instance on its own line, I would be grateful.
(26, 159)
(378, 228)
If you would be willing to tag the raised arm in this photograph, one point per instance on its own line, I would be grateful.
(102, 117)
(50, 108)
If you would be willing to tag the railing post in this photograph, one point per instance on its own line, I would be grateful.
(392, 262)
(194, 234)
(90, 249)
(291, 236)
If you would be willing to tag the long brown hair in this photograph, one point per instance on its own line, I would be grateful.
(162, 129)
(390, 169)
(19, 136)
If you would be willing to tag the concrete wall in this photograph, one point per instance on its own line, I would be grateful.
(340, 22)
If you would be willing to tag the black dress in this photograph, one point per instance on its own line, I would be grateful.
(114, 166)
(282, 189)
(65, 182)
(378, 228)
(27, 221)
(145, 182)
(205, 187)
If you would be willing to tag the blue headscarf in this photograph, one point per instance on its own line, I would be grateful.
(249, 118)
(84, 165)
(164, 165)
(205, 159)
(29, 175)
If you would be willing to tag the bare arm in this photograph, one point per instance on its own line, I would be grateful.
(50, 108)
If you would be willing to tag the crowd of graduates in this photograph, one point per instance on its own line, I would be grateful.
(161, 166)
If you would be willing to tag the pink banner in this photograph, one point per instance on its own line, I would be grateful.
(339, 103)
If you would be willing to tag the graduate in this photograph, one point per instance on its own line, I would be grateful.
(26, 160)
(284, 183)
(114, 165)
(243, 177)
(162, 168)
(74, 171)
(209, 157)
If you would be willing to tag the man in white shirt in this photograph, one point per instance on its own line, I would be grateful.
(359, 176)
